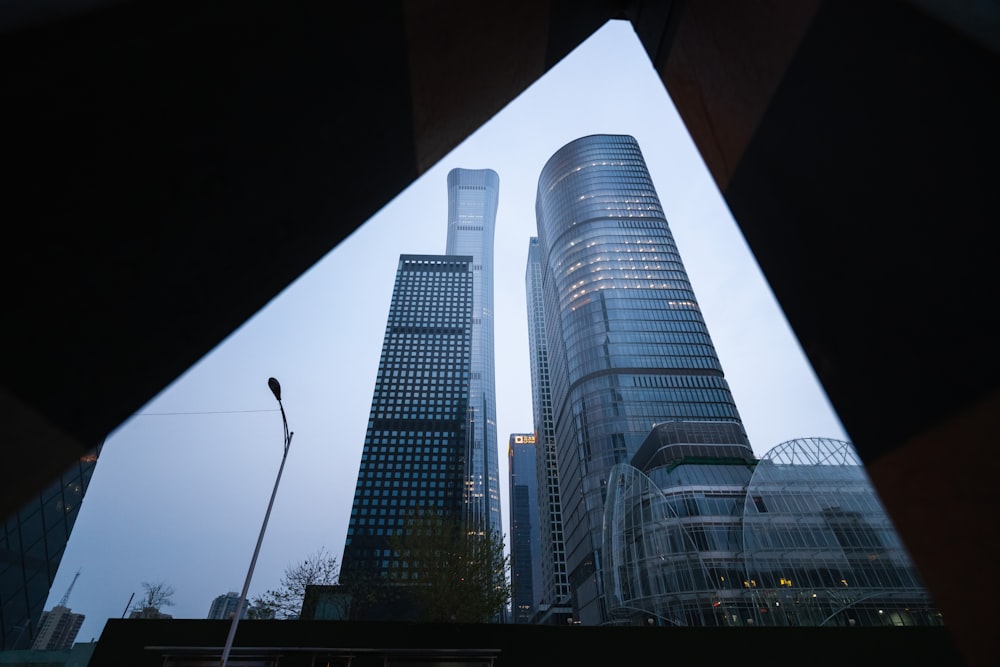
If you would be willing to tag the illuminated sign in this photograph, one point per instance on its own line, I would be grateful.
(524, 439)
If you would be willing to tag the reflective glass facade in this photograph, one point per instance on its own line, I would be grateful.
(798, 538)
(525, 564)
(554, 597)
(627, 344)
(673, 543)
(414, 454)
(472, 210)
(224, 606)
(820, 547)
(32, 543)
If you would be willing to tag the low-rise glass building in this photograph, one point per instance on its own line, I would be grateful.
(820, 548)
(696, 536)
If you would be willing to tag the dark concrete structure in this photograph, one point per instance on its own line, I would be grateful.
(191, 643)
(171, 166)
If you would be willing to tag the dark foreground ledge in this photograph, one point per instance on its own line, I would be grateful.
(191, 643)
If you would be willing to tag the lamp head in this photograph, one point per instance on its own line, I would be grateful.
(275, 388)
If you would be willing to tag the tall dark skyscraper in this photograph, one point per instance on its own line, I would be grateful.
(525, 563)
(415, 448)
(472, 211)
(554, 596)
(627, 345)
(431, 442)
(32, 543)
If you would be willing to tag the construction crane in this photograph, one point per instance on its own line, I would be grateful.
(65, 598)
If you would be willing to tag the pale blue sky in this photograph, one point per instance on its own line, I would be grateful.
(181, 489)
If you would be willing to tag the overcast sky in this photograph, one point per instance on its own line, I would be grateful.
(181, 488)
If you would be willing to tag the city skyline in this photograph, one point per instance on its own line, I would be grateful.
(181, 488)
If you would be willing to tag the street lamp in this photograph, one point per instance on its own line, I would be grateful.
(276, 390)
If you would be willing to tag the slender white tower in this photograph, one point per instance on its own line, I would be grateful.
(472, 211)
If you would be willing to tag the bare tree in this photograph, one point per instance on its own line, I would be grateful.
(155, 596)
(285, 602)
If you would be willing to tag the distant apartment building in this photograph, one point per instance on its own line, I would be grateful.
(224, 606)
(58, 630)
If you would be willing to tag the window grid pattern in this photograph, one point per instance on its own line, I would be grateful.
(623, 327)
(798, 538)
(414, 454)
(472, 208)
(525, 565)
(555, 581)
(820, 547)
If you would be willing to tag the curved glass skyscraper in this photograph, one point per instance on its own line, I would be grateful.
(628, 347)
(472, 212)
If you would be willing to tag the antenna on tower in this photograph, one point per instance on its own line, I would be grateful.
(65, 598)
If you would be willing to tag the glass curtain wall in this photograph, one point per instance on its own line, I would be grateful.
(798, 538)
(32, 543)
(820, 547)
(555, 598)
(472, 209)
(628, 346)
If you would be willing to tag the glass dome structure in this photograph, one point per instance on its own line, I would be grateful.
(820, 548)
(672, 543)
(796, 538)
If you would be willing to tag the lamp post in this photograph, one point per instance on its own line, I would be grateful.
(276, 390)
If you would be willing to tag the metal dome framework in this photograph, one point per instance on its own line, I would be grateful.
(819, 546)
(814, 451)
(800, 538)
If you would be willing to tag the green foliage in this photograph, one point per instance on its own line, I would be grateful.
(450, 573)
(258, 610)
(373, 597)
